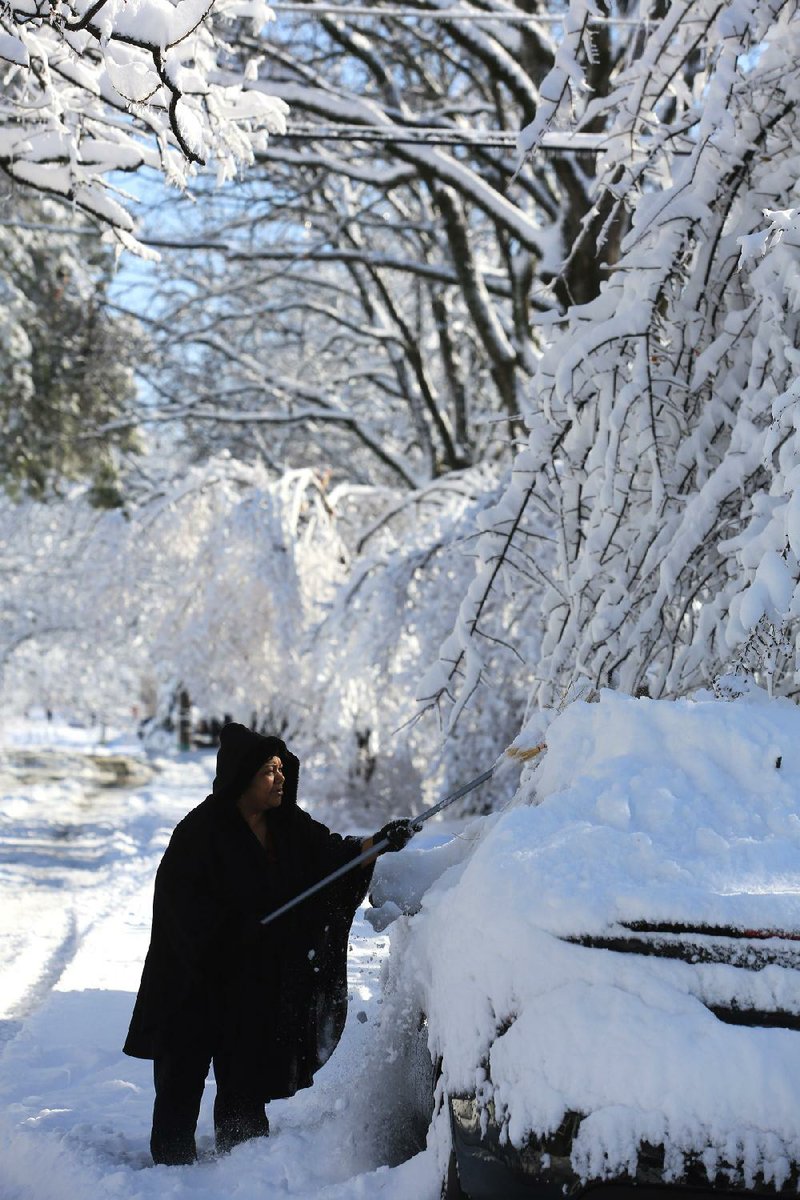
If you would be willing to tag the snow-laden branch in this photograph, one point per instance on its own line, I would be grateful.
(98, 88)
(443, 167)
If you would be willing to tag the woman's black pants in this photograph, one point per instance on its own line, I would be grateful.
(179, 1074)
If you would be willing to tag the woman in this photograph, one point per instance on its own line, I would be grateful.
(266, 1004)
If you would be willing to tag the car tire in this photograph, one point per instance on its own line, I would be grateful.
(451, 1184)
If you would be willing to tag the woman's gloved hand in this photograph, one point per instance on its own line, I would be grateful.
(396, 833)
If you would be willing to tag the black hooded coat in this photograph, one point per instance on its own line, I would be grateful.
(269, 1000)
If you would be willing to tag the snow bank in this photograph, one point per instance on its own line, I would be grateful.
(684, 811)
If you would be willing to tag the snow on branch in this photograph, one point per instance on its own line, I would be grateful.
(446, 168)
(664, 430)
(108, 86)
(768, 549)
(565, 80)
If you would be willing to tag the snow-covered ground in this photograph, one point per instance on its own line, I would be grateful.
(77, 861)
(685, 812)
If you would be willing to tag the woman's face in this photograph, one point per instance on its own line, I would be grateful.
(265, 790)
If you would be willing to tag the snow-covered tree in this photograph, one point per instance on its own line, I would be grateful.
(397, 603)
(209, 584)
(376, 300)
(662, 449)
(269, 598)
(643, 536)
(66, 363)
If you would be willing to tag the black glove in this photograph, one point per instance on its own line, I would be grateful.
(396, 833)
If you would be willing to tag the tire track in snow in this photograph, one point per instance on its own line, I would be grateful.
(54, 965)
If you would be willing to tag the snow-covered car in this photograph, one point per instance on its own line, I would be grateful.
(486, 1164)
(610, 968)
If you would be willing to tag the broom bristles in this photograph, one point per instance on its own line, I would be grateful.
(525, 755)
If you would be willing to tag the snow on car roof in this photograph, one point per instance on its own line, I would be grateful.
(679, 811)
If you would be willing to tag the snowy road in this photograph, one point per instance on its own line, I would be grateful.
(76, 872)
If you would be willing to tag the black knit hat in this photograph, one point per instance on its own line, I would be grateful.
(241, 752)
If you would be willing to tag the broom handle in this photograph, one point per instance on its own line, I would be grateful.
(374, 850)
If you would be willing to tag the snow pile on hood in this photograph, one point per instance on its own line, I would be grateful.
(682, 811)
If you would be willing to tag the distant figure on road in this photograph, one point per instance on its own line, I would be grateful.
(266, 1004)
